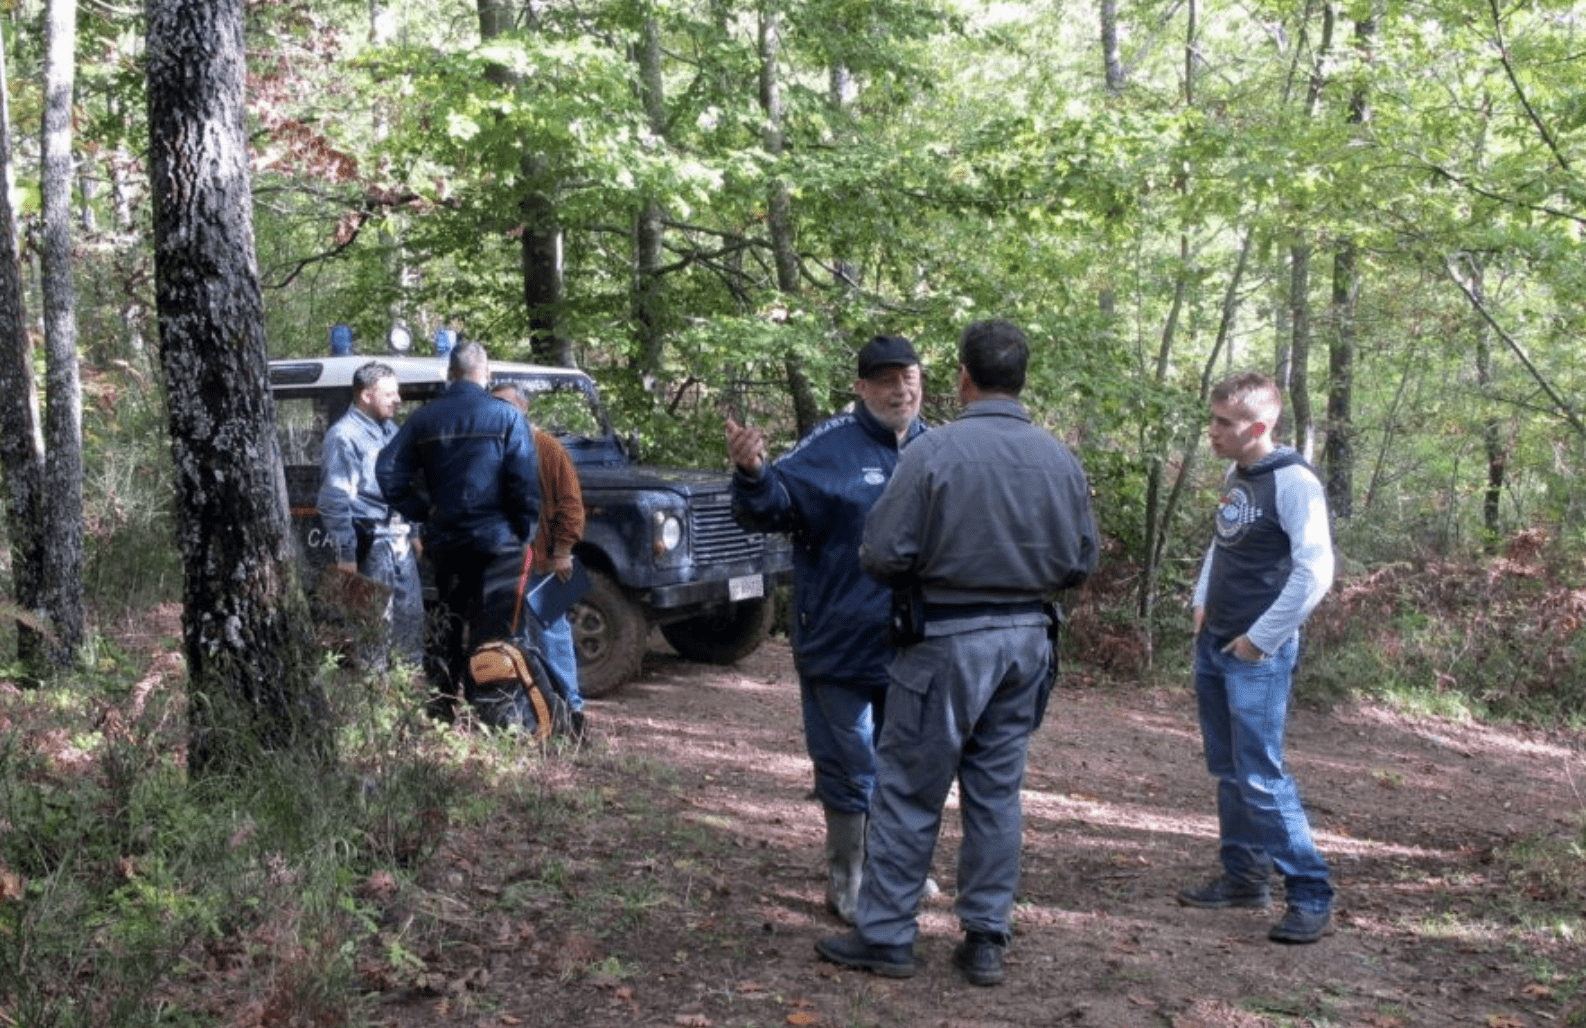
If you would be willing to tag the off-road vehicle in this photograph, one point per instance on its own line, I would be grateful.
(660, 545)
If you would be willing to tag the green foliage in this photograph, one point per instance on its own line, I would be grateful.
(118, 877)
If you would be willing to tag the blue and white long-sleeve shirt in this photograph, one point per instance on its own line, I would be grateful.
(348, 490)
(1271, 558)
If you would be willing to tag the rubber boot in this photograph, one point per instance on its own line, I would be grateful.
(845, 862)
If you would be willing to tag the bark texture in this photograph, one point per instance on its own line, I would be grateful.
(245, 625)
(21, 437)
(62, 530)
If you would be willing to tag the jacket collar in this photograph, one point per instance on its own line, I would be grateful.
(995, 408)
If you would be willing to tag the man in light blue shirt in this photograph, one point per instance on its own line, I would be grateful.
(365, 535)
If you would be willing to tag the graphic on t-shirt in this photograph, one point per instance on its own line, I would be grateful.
(1236, 512)
(875, 476)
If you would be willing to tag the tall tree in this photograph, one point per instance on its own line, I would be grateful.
(1298, 384)
(21, 435)
(540, 231)
(62, 531)
(1338, 455)
(779, 207)
(649, 229)
(250, 660)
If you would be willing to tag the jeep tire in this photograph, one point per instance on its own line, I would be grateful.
(723, 636)
(609, 636)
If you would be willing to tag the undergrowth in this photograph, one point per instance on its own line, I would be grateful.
(130, 895)
(1499, 638)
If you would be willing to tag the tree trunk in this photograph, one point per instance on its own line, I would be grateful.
(1339, 456)
(1491, 426)
(648, 232)
(544, 282)
(21, 437)
(245, 625)
(779, 212)
(1111, 57)
(62, 497)
(1299, 405)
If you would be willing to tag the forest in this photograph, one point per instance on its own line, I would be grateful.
(709, 205)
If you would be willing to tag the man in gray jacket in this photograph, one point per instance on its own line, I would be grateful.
(983, 521)
(364, 533)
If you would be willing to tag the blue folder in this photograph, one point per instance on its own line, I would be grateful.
(550, 598)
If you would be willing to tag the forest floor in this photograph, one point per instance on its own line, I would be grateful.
(669, 872)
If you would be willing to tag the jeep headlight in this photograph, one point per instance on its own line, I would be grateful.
(668, 533)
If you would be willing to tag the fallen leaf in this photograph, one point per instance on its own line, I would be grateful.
(692, 1020)
(1536, 990)
(1504, 1021)
(800, 1017)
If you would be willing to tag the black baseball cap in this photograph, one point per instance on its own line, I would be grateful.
(886, 352)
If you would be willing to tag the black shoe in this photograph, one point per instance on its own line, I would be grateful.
(852, 951)
(979, 956)
(577, 726)
(1301, 926)
(1224, 892)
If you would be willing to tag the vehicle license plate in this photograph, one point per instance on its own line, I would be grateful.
(746, 587)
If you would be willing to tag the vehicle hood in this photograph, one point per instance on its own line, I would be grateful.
(683, 481)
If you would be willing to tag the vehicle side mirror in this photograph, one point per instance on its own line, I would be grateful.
(631, 444)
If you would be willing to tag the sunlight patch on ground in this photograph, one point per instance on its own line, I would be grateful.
(1135, 818)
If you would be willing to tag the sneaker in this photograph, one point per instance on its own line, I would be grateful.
(1224, 892)
(1301, 926)
(851, 951)
(979, 956)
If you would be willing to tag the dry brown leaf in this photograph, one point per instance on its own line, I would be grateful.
(1536, 990)
(692, 1020)
(801, 1018)
(10, 885)
(1504, 1021)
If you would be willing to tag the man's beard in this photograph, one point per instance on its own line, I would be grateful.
(895, 418)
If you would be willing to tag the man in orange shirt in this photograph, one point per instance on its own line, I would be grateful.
(561, 527)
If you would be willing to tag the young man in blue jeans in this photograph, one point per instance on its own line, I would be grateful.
(1270, 563)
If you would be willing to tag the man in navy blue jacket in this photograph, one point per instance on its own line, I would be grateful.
(820, 492)
(479, 506)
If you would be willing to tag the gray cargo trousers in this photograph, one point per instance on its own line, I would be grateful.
(962, 705)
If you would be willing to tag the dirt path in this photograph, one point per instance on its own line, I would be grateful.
(688, 818)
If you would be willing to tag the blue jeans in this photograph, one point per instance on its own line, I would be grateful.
(841, 722)
(1243, 710)
(556, 643)
(390, 561)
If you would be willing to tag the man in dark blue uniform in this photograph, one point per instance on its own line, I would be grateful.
(820, 492)
(479, 504)
(985, 520)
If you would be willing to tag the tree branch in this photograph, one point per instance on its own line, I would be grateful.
(1519, 92)
(1561, 406)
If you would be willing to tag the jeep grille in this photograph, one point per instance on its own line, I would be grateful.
(717, 537)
